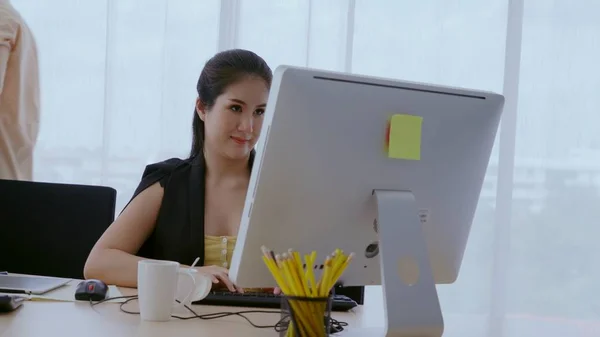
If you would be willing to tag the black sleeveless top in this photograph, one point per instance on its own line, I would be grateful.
(178, 234)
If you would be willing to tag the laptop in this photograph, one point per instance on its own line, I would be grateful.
(32, 285)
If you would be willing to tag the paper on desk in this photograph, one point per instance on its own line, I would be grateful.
(66, 293)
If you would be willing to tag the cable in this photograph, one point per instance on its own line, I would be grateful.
(335, 325)
(92, 303)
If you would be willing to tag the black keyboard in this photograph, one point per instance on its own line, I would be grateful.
(265, 300)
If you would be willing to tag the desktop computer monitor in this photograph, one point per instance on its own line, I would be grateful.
(390, 170)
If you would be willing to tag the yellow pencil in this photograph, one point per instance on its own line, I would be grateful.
(337, 264)
(291, 265)
(343, 267)
(313, 256)
(311, 275)
(278, 279)
(297, 262)
(286, 271)
(325, 277)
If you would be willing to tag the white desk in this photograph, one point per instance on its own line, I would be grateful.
(65, 319)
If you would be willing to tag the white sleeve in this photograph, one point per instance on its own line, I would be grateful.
(8, 34)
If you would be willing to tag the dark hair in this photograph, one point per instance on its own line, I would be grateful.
(221, 71)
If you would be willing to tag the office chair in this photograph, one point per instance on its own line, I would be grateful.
(48, 228)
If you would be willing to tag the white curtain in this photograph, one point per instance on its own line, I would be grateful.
(118, 89)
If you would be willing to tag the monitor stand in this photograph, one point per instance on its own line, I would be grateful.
(410, 302)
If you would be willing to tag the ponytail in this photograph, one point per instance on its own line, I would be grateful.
(197, 135)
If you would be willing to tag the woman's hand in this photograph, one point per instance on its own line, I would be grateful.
(219, 275)
(276, 291)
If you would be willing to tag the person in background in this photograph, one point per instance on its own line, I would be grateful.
(189, 208)
(19, 95)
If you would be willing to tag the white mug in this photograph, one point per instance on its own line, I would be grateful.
(157, 286)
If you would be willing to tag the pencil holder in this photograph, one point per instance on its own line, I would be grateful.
(305, 316)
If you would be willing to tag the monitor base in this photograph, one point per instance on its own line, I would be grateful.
(410, 302)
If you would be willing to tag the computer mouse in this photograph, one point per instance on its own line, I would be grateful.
(91, 289)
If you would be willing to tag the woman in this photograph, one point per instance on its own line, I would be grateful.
(183, 209)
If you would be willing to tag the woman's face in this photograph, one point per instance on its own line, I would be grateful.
(233, 125)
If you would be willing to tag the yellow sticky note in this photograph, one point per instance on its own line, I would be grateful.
(405, 137)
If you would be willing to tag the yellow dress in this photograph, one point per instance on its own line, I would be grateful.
(218, 251)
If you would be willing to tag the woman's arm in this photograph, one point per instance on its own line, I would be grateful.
(113, 260)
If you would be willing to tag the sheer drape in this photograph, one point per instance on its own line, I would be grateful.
(118, 89)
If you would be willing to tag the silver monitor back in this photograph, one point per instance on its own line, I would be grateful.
(321, 155)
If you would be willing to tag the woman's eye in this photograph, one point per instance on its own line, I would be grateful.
(259, 112)
(236, 108)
